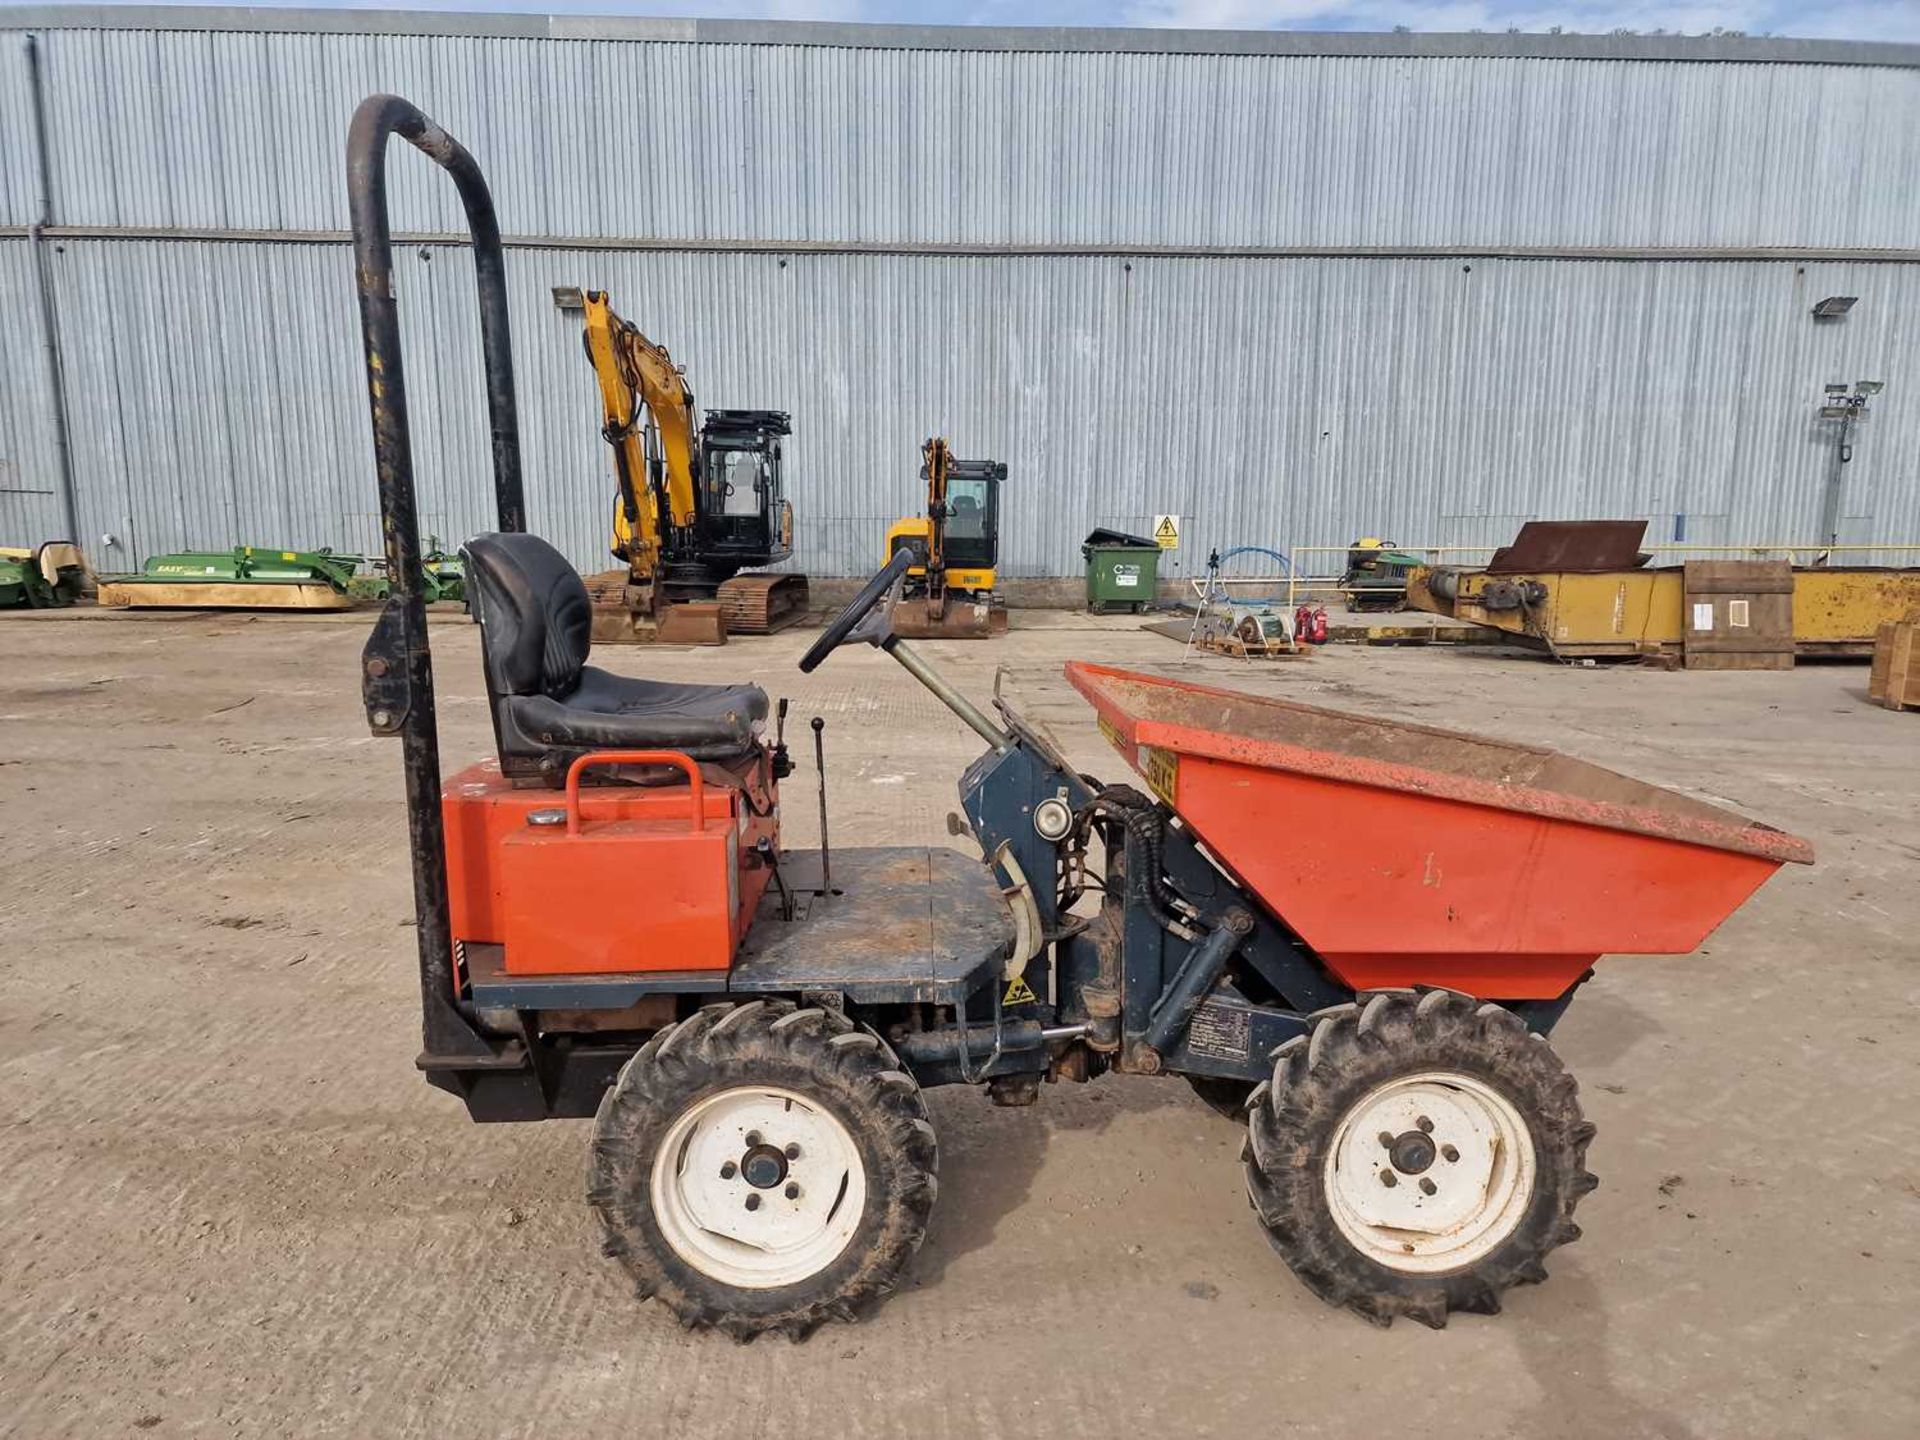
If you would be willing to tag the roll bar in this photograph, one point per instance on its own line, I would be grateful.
(397, 667)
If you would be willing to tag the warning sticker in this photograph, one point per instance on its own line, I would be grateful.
(1162, 769)
(1222, 1031)
(1114, 737)
(1019, 992)
(1166, 531)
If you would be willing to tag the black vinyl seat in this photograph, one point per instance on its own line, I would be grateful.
(550, 706)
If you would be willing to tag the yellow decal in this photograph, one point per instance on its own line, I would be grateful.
(1114, 737)
(1166, 531)
(1019, 992)
(1162, 769)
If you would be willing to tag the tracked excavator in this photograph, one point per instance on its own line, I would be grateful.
(949, 592)
(697, 503)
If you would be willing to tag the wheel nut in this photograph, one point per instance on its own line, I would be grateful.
(792, 1191)
(1427, 1187)
(1389, 1179)
(1425, 1124)
(1451, 1153)
(728, 1171)
(753, 1138)
(753, 1202)
(1386, 1139)
(793, 1152)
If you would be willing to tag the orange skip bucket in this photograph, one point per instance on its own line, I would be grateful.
(1409, 855)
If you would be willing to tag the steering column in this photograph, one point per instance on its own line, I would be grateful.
(869, 618)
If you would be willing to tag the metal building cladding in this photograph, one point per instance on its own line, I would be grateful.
(1292, 287)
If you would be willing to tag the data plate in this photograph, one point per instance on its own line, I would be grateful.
(1222, 1031)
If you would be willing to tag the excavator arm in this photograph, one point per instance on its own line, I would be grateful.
(936, 460)
(635, 375)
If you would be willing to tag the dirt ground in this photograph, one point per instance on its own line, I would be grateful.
(230, 1205)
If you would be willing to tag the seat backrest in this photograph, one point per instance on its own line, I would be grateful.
(535, 619)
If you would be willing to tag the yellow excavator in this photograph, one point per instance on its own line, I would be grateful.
(949, 592)
(697, 502)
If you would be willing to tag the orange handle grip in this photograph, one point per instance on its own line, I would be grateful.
(697, 786)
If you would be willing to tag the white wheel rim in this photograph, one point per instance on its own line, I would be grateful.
(754, 1235)
(1452, 1210)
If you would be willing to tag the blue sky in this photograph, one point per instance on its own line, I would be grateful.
(1828, 19)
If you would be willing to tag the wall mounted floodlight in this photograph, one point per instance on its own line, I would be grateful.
(1834, 306)
(568, 297)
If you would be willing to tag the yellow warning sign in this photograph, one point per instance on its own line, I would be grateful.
(1019, 992)
(1166, 531)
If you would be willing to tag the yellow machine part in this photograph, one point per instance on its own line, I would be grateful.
(635, 373)
(1838, 612)
(1641, 612)
(913, 530)
(910, 531)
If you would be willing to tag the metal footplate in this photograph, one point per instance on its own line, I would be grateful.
(902, 924)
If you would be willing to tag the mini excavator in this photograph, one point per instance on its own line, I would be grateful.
(949, 592)
(697, 503)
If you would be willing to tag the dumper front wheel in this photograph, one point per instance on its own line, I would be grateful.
(1417, 1154)
(763, 1167)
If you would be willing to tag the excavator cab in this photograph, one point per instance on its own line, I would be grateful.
(745, 517)
(973, 523)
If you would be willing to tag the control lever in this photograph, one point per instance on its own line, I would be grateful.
(782, 762)
(763, 847)
(820, 765)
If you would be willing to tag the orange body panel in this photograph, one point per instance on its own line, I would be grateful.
(1395, 889)
(635, 889)
(1406, 855)
(621, 895)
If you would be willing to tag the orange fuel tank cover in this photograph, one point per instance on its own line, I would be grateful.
(654, 890)
(619, 895)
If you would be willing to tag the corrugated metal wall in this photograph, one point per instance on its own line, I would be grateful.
(1272, 401)
(29, 483)
(216, 385)
(812, 143)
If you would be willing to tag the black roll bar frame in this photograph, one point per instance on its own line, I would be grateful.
(397, 666)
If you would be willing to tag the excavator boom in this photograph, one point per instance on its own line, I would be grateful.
(634, 373)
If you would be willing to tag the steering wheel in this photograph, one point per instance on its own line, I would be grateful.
(862, 608)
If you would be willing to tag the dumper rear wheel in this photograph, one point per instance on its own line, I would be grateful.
(763, 1167)
(1416, 1154)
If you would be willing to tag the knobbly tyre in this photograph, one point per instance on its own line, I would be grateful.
(609, 927)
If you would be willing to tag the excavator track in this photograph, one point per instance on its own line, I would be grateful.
(762, 604)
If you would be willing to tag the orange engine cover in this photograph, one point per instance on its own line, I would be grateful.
(636, 887)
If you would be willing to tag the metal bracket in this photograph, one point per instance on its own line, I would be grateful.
(1027, 929)
(383, 671)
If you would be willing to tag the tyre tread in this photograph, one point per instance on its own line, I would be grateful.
(723, 1043)
(1293, 1117)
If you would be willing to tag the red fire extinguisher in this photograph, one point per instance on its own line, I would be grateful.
(1310, 625)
